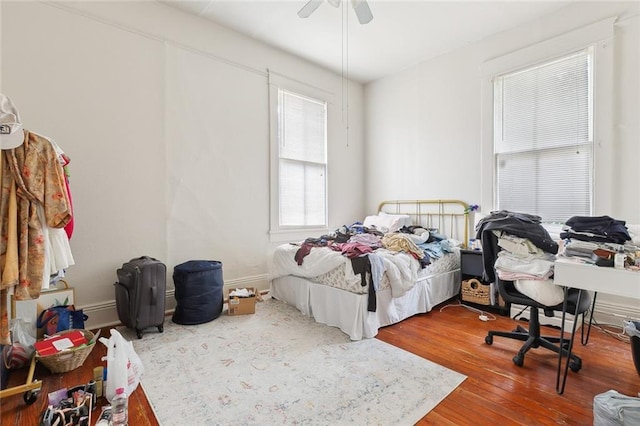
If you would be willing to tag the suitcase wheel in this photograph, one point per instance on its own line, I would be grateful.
(139, 333)
(161, 328)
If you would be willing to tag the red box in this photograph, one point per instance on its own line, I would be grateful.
(60, 342)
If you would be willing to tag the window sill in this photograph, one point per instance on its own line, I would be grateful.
(295, 235)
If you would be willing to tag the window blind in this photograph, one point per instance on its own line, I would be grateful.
(543, 138)
(302, 160)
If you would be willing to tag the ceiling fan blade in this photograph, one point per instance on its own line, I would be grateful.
(334, 3)
(308, 8)
(363, 12)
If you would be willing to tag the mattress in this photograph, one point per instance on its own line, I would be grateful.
(348, 311)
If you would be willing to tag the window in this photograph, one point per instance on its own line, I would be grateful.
(302, 161)
(299, 122)
(543, 138)
(547, 126)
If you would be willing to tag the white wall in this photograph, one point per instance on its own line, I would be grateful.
(423, 125)
(165, 118)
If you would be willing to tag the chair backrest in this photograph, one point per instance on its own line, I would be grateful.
(510, 294)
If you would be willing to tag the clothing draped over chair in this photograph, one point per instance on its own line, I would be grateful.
(519, 249)
(522, 225)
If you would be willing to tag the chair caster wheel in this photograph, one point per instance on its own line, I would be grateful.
(30, 397)
(518, 360)
(575, 366)
(488, 340)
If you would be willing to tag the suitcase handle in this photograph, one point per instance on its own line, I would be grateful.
(154, 294)
(145, 257)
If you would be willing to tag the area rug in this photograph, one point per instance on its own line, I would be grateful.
(279, 367)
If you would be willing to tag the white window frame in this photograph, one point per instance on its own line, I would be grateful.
(600, 36)
(279, 82)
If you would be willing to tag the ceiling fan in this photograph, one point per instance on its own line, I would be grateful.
(363, 12)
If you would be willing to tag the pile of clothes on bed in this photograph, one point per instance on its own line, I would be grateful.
(358, 240)
(367, 252)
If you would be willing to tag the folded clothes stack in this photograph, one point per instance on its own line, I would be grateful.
(600, 240)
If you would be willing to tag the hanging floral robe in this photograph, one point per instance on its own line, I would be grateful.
(34, 169)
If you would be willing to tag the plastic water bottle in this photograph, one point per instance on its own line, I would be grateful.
(119, 408)
(618, 260)
(105, 417)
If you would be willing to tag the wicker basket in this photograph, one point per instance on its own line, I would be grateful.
(68, 359)
(475, 291)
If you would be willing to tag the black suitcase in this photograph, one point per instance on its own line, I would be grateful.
(140, 294)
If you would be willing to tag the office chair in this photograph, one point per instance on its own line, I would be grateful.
(532, 336)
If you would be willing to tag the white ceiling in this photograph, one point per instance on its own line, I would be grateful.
(401, 34)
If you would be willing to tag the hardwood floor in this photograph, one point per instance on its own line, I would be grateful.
(16, 412)
(495, 391)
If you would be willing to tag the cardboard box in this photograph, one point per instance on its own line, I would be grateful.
(242, 305)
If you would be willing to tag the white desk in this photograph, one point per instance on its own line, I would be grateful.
(584, 276)
(618, 282)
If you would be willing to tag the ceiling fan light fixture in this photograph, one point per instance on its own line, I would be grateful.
(361, 7)
(363, 12)
(309, 8)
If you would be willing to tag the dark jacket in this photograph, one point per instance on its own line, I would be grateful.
(521, 225)
(603, 229)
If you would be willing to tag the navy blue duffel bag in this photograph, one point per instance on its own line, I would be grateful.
(199, 295)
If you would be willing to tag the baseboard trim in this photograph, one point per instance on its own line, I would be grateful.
(611, 313)
(105, 315)
(604, 313)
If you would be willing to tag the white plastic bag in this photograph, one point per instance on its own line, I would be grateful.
(632, 328)
(21, 332)
(124, 367)
(612, 408)
(19, 353)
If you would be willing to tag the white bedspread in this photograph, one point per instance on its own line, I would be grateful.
(320, 260)
(401, 268)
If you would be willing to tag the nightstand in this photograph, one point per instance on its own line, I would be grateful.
(474, 290)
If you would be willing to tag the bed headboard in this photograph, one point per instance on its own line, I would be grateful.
(450, 217)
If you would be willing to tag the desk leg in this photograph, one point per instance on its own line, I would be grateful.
(593, 307)
(559, 386)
